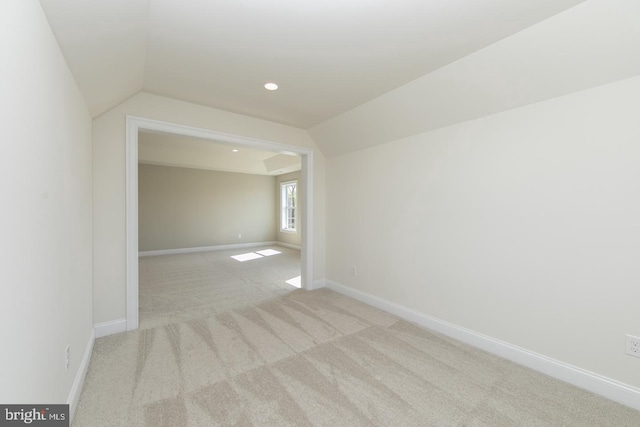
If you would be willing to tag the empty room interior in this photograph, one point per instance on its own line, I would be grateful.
(217, 227)
(336, 213)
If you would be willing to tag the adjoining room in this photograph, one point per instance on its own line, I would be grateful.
(218, 227)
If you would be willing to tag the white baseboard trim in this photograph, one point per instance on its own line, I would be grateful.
(109, 328)
(288, 245)
(607, 387)
(78, 381)
(205, 248)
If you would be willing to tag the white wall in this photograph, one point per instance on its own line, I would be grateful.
(284, 236)
(523, 226)
(45, 220)
(191, 208)
(593, 43)
(109, 184)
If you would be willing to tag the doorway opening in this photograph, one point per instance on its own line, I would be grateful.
(136, 124)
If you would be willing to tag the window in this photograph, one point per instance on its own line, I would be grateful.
(288, 203)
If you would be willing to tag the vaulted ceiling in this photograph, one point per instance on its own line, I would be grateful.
(327, 56)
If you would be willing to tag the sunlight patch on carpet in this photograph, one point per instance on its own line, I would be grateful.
(268, 252)
(246, 257)
(295, 282)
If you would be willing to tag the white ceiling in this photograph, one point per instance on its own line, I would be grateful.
(166, 149)
(595, 43)
(327, 56)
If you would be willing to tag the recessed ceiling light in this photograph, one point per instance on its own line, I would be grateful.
(235, 150)
(271, 86)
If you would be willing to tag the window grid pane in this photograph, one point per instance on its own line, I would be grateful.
(289, 194)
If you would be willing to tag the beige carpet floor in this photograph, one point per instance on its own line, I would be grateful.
(174, 288)
(316, 358)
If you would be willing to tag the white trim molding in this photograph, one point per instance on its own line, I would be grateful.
(78, 381)
(109, 328)
(207, 248)
(134, 125)
(606, 387)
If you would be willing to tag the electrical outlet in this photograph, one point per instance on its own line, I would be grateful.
(239, 235)
(633, 346)
(67, 358)
(354, 270)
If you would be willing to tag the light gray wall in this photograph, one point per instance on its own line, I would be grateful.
(187, 208)
(287, 237)
(522, 226)
(45, 222)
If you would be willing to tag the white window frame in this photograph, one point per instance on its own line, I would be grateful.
(284, 208)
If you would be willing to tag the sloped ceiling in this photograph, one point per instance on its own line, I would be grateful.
(327, 56)
(105, 45)
(593, 43)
